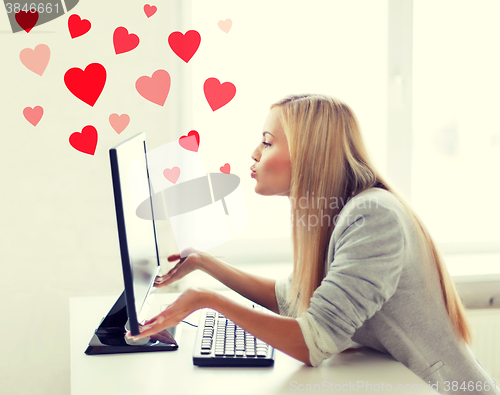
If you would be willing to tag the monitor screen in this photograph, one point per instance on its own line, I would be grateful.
(137, 236)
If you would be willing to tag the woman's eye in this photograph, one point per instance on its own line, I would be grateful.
(266, 144)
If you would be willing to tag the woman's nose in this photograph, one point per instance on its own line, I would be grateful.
(256, 154)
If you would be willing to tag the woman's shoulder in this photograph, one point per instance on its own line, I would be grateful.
(374, 195)
(373, 202)
(373, 213)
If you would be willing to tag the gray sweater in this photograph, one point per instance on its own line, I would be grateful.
(376, 293)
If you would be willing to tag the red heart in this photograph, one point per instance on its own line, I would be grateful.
(154, 88)
(184, 45)
(217, 94)
(27, 20)
(172, 174)
(86, 141)
(87, 84)
(149, 10)
(124, 41)
(226, 168)
(78, 26)
(188, 143)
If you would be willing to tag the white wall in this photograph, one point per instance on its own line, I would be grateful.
(58, 228)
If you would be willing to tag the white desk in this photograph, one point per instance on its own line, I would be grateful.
(173, 372)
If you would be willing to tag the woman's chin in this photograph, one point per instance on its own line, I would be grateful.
(263, 192)
(259, 190)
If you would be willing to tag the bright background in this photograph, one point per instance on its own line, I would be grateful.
(58, 231)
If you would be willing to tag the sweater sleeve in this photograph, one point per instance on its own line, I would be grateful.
(281, 288)
(364, 274)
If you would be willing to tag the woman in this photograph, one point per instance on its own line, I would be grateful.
(365, 268)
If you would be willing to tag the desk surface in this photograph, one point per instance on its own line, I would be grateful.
(174, 373)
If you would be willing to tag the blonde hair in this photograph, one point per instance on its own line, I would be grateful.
(329, 159)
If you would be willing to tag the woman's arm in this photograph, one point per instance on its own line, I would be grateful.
(282, 333)
(258, 289)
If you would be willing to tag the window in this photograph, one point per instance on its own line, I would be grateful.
(274, 49)
(456, 129)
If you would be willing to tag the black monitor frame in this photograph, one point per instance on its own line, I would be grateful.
(109, 337)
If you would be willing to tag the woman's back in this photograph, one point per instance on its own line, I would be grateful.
(378, 293)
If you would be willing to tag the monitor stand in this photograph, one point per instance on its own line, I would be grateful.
(109, 337)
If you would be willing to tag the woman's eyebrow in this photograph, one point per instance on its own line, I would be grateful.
(264, 133)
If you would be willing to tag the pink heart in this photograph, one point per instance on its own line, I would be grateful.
(33, 115)
(149, 10)
(226, 168)
(172, 174)
(124, 41)
(225, 26)
(36, 59)
(119, 122)
(154, 88)
(191, 142)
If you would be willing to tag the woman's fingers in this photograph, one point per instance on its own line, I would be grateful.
(164, 336)
(154, 326)
(184, 305)
(174, 257)
(169, 277)
(163, 278)
(147, 330)
(144, 332)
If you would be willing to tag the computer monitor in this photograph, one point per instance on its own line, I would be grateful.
(139, 255)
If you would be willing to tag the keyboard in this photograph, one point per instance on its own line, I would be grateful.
(221, 343)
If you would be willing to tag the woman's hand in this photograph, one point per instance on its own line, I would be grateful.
(283, 333)
(188, 302)
(186, 265)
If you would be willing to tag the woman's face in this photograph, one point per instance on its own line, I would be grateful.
(272, 168)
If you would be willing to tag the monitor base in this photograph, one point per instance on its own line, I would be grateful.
(109, 337)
